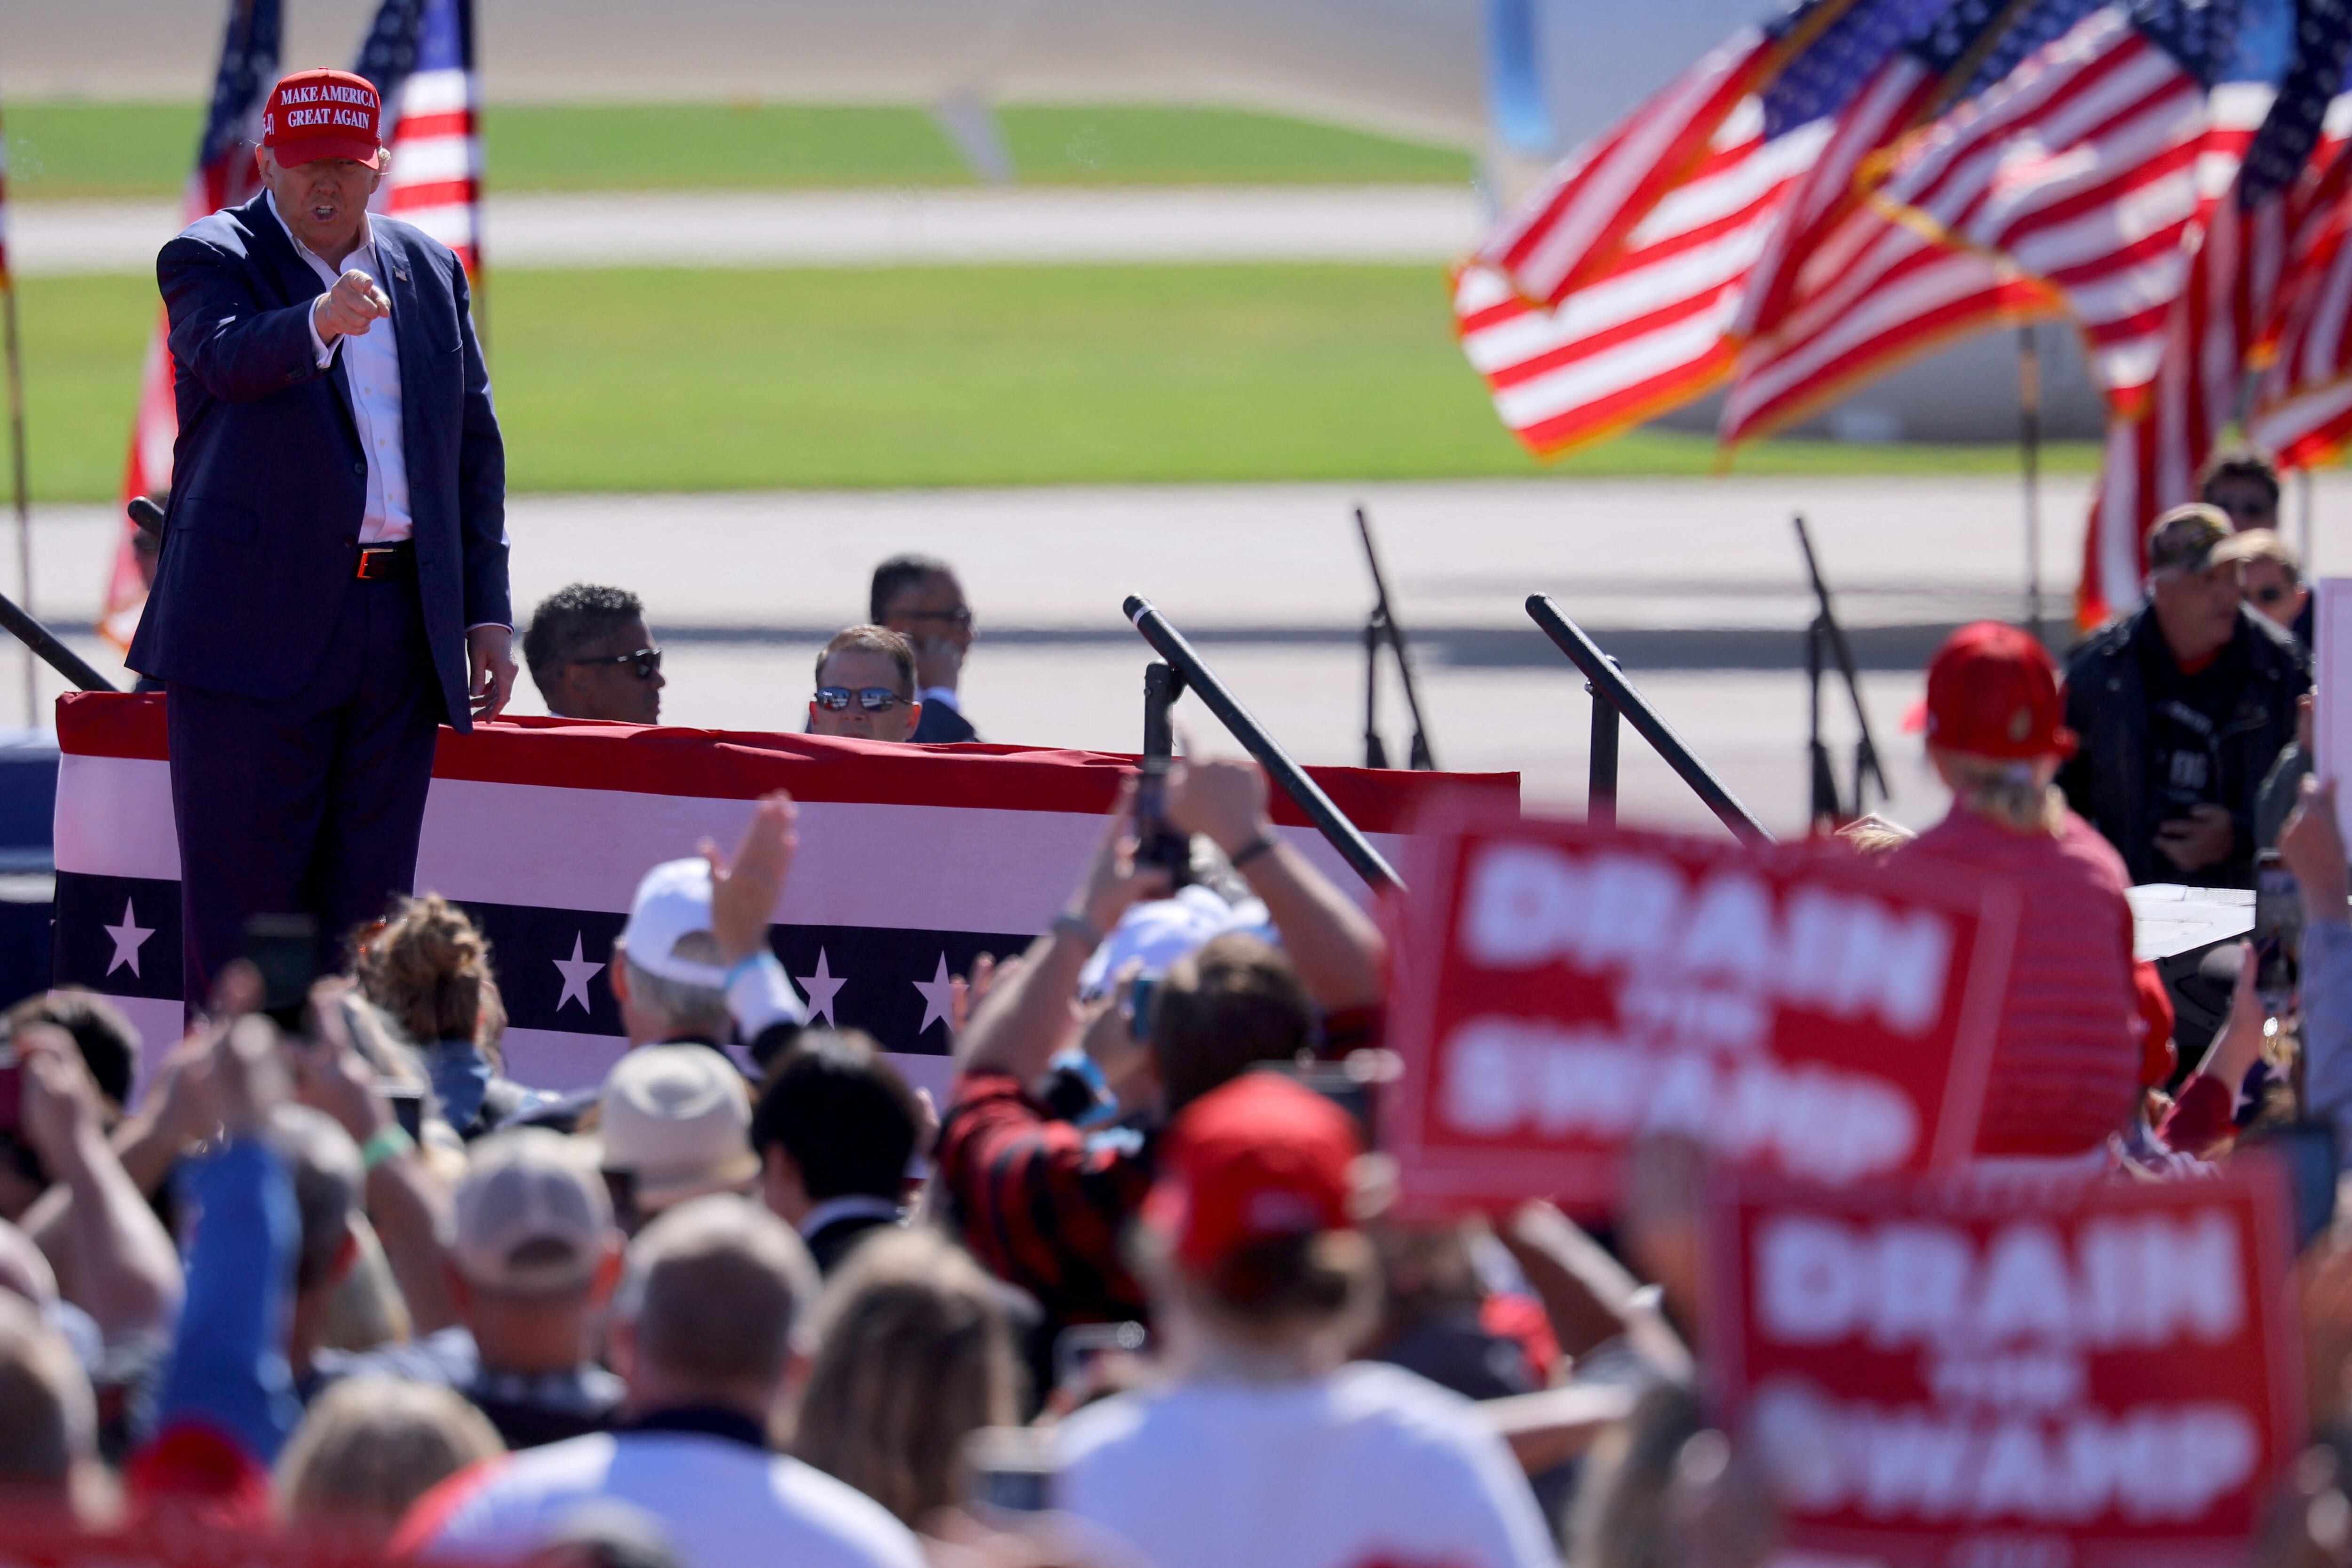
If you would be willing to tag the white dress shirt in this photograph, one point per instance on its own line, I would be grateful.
(372, 365)
(849, 1205)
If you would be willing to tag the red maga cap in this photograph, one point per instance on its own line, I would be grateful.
(1992, 692)
(1259, 1158)
(319, 114)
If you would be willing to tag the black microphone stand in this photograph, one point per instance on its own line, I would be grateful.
(1381, 629)
(1825, 640)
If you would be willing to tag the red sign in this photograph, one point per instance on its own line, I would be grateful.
(1564, 989)
(1980, 1371)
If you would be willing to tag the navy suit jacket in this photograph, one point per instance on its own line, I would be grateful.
(939, 724)
(269, 477)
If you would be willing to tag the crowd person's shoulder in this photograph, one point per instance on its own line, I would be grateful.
(702, 1333)
(728, 1503)
(1248, 1247)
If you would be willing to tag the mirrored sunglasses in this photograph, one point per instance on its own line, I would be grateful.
(872, 698)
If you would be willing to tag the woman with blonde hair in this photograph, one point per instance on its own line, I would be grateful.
(914, 1354)
(2066, 1062)
(370, 1446)
(428, 967)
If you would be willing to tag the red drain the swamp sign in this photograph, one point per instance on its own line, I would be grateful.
(1563, 989)
(1964, 1372)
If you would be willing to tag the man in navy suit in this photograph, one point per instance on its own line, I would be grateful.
(919, 598)
(333, 579)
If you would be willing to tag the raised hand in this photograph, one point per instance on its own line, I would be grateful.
(743, 895)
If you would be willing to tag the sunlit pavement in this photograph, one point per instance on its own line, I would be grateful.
(1417, 224)
(1696, 585)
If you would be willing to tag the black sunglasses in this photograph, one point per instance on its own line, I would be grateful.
(647, 661)
(872, 698)
(960, 615)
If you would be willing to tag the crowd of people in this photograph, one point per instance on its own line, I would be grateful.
(1133, 1292)
(893, 677)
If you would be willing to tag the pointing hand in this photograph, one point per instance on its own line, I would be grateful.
(352, 303)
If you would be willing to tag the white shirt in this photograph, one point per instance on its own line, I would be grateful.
(945, 695)
(722, 1504)
(372, 365)
(1371, 1465)
(851, 1205)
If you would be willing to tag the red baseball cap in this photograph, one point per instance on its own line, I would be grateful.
(1992, 692)
(317, 114)
(1261, 1158)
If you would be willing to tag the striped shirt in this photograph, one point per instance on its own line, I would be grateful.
(1041, 1203)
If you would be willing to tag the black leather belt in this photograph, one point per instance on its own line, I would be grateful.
(386, 562)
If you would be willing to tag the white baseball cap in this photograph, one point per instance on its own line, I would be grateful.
(1158, 932)
(677, 1119)
(673, 902)
(533, 1214)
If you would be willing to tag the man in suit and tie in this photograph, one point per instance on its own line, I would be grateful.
(334, 581)
(919, 598)
(836, 1129)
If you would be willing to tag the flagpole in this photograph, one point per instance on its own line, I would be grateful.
(2029, 458)
(23, 492)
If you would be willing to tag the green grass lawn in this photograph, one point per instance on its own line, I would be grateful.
(58, 150)
(658, 380)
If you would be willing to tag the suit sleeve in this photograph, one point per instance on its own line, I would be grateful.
(221, 334)
(481, 482)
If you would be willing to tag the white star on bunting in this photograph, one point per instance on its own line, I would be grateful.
(821, 988)
(576, 972)
(938, 996)
(128, 938)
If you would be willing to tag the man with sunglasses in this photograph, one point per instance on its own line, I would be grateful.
(918, 597)
(866, 687)
(2274, 582)
(593, 657)
(2244, 484)
(2182, 708)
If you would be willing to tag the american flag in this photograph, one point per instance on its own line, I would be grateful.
(2303, 409)
(1845, 292)
(1647, 331)
(1569, 227)
(420, 55)
(990, 840)
(2087, 168)
(2214, 328)
(225, 175)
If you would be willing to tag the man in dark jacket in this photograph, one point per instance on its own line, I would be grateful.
(2182, 706)
(919, 598)
(332, 586)
(835, 1131)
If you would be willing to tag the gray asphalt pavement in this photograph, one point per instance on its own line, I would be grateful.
(1695, 586)
(1432, 224)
